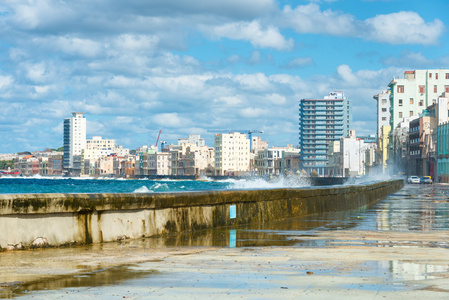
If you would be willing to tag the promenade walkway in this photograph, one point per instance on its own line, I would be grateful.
(396, 249)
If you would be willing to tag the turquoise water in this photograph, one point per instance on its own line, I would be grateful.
(27, 185)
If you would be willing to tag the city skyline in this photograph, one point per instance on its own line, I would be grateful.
(186, 68)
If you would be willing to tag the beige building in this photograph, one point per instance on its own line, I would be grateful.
(383, 142)
(158, 163)
(258, 144)
(98, 147)
(232, 154)
(190, 159)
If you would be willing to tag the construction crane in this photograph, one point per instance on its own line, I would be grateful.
(159, 135)
(248, 132)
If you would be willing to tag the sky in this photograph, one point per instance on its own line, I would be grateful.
(202, 67)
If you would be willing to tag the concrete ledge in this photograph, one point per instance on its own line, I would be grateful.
(96, 218)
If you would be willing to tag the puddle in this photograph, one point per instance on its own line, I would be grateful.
(97, 278)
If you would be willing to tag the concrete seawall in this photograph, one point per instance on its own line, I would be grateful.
(95, 218)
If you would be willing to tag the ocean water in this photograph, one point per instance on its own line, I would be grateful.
(25, 185)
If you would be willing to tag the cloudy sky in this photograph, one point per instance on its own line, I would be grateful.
(187, 67)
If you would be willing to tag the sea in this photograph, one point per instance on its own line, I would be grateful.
(41, 184)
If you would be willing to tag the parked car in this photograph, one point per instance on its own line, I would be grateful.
(413, 179)
(426, 179)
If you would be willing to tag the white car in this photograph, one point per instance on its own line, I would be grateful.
(413, 179)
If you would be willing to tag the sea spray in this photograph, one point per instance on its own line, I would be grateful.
(143, 189)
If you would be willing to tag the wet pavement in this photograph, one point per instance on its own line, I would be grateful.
(397, 248)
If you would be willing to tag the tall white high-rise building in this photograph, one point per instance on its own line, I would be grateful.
(322, 121)
(232, 153)
(74, 138)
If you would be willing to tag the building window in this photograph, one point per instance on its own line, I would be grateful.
(400, 102)
(436, 76)
(421, 89)
(421, 102)
(446, 88)
(411, 100)
(411, 113)
(384, 101)
(430, 75)
(434, 88)
(384, 118)
(400, 88)
(447, 75)
(384, 109)
(400, 114)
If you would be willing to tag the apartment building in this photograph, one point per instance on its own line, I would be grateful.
(347, 156)
(268, 162)
(424, 140)
(443, 152)
(158, 163)
(74, 138)
(383, 110)
(232, 154)
(322, 121)
(98, 147)
(419, 133)
(190, 159)
(258, 144)
(416, 91)
(193, 139)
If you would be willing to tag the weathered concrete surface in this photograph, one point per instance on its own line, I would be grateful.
(132, 270)
(96, 218)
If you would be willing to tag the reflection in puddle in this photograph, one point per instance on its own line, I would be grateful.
(96, 278)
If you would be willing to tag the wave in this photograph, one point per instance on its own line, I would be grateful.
(260, 183)
(143, 189)
(160, 186)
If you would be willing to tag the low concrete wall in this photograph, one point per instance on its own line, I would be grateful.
(96, 218)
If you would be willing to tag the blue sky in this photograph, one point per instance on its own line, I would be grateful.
(187, 67)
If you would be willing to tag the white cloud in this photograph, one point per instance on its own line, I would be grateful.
(258, 35)
(345, 72)
(254, 112)
(77, 46)
(255, 58)
(233, 59)
(169, 120)
(36, 72)
(254, 82)
(5, 81)
(404, 27)
(298, 62)
(228, 101)
(413, 60)
(40, 14)
(276, 99)
(310, 19)
(41, 89)
(131, 42)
